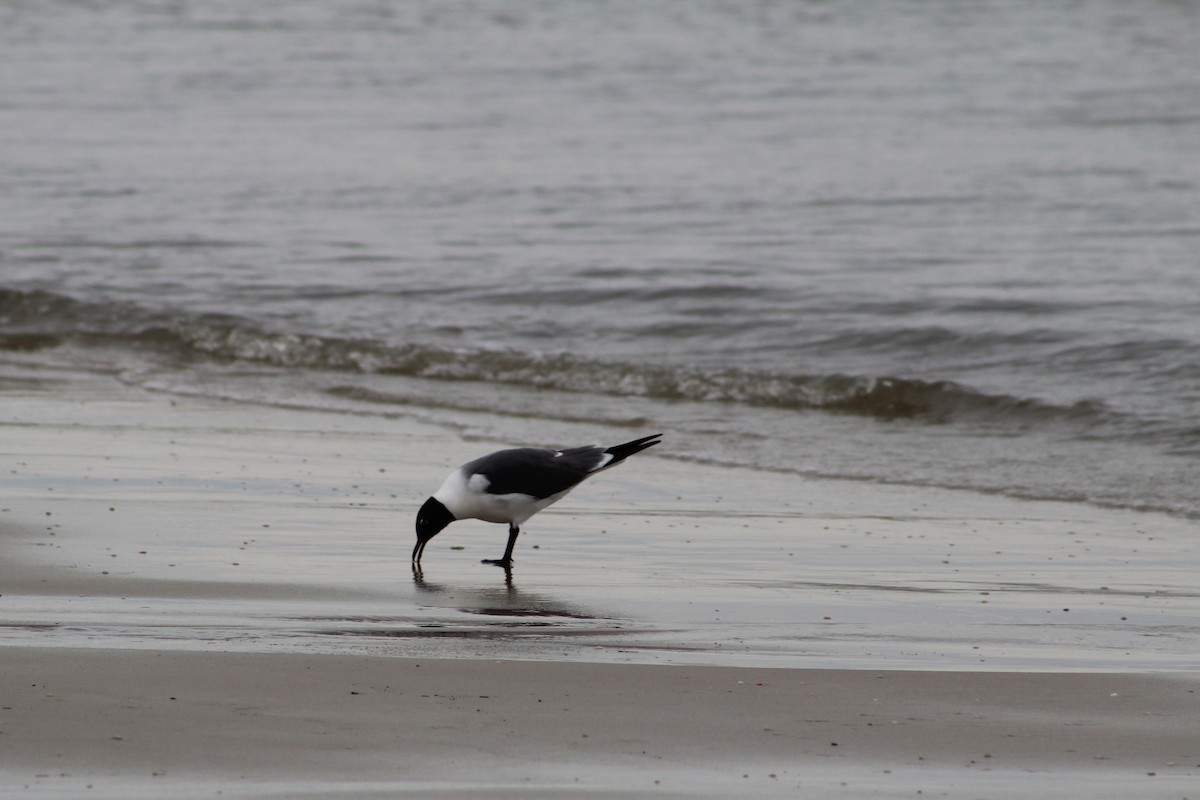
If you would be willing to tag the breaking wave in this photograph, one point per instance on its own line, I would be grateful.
(30, 321)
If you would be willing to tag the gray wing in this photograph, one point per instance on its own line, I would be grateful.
(538, 473)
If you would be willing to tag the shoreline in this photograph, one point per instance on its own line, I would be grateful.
(201, 597)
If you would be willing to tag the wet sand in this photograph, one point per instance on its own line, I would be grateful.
(201, 597)
(249, 722)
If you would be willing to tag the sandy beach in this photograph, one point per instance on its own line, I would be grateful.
(201, 598)
(107, 721)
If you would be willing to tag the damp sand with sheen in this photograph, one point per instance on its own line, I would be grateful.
(212, 524)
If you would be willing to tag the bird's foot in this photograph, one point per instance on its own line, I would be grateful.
(499, 562)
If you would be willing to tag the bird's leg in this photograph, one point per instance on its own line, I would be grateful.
(506, 562)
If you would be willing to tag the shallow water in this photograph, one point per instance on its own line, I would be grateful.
(922, 243)
(865, 607)
(209, 525)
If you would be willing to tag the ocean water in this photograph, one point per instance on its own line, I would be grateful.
(953, 244)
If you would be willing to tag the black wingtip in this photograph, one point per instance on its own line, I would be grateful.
(620, 452)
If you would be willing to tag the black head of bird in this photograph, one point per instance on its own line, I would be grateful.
(431, 519)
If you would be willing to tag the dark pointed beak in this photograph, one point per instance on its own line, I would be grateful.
(418, 549)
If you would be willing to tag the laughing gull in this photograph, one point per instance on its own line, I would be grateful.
(513, 485)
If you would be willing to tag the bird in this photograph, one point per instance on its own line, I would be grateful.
(513, 485)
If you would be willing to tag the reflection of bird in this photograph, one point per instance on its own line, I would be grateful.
(513, 485)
